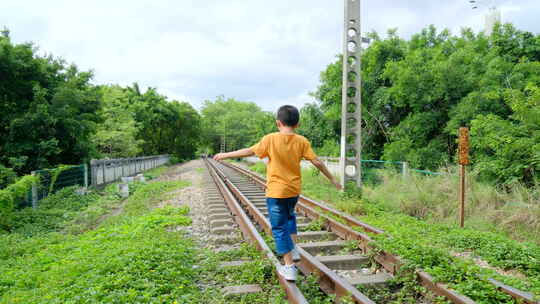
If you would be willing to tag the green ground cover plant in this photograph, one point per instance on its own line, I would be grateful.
(155, 172)
(256, 270)
(434, 246)
(131, 257)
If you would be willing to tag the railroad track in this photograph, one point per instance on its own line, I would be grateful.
(325, 238)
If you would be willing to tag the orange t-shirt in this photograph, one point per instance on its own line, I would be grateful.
(284, 152)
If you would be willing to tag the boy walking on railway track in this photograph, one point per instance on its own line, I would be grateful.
(285, 150)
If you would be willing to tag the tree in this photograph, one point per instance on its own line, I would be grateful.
(241, 123)
(48, 110)
(115, 137)
(417, 93)
(508, 150)
(164, 126)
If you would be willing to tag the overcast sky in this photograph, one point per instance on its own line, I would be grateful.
(268, 52)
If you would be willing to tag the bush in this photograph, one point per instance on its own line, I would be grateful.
(329, 148)
(10, 195)
(7, 176)
(259, 167)
(173, 160)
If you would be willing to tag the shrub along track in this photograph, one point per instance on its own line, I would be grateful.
(335, 271)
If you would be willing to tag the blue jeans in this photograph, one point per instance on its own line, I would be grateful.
(283, 221)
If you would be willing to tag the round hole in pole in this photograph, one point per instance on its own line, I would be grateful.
(351, 32)
(351, 46)
(351, 122)
(350, 170)
(351, 92)
(351, 139)
(352, 61)
(351, 152)
(351, 107)
(351, 76)
(352, 21)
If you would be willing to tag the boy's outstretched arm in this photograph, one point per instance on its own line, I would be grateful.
(321, 166)
(234, 154)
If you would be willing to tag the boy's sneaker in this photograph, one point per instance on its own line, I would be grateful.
(295, 254)
(289, 272)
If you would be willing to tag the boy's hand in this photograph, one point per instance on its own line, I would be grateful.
(219, 156)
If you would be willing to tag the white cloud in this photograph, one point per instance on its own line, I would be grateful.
(267, 52)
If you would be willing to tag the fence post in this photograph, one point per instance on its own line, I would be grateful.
(104, 173)
(34, 192)
(405, 169)
(85, 168)
(93, 170)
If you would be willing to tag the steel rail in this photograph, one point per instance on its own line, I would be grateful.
(307, 201)
(294, 295)
(329, 281)
(524, 297)
(389, 261)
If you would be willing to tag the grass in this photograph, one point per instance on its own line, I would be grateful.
(513, 211)
(431, 243)
(155, 172)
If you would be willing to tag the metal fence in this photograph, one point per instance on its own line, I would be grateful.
(104, 171)
(99, 172)
(52, 180)
(370, 168)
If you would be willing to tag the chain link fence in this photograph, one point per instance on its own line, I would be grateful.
(98, 173)
(371, 169)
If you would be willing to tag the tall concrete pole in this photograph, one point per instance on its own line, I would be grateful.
(351, 104)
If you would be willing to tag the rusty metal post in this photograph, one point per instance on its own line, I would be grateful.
(463, 161)
(351, 104)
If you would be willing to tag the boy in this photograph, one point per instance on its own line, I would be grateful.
(284, 149)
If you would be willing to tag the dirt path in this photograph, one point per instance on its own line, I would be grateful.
(192, 196)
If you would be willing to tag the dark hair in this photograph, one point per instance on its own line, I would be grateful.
(288, 115)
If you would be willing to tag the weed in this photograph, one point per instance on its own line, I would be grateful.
(155, 172)
(350, 246)
(317, 224)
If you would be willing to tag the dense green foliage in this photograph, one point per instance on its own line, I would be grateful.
(48, 109)
(417, 93)
(147, 123)
(9, 196)
(241, 123)
(51, 114)
(7, 176)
